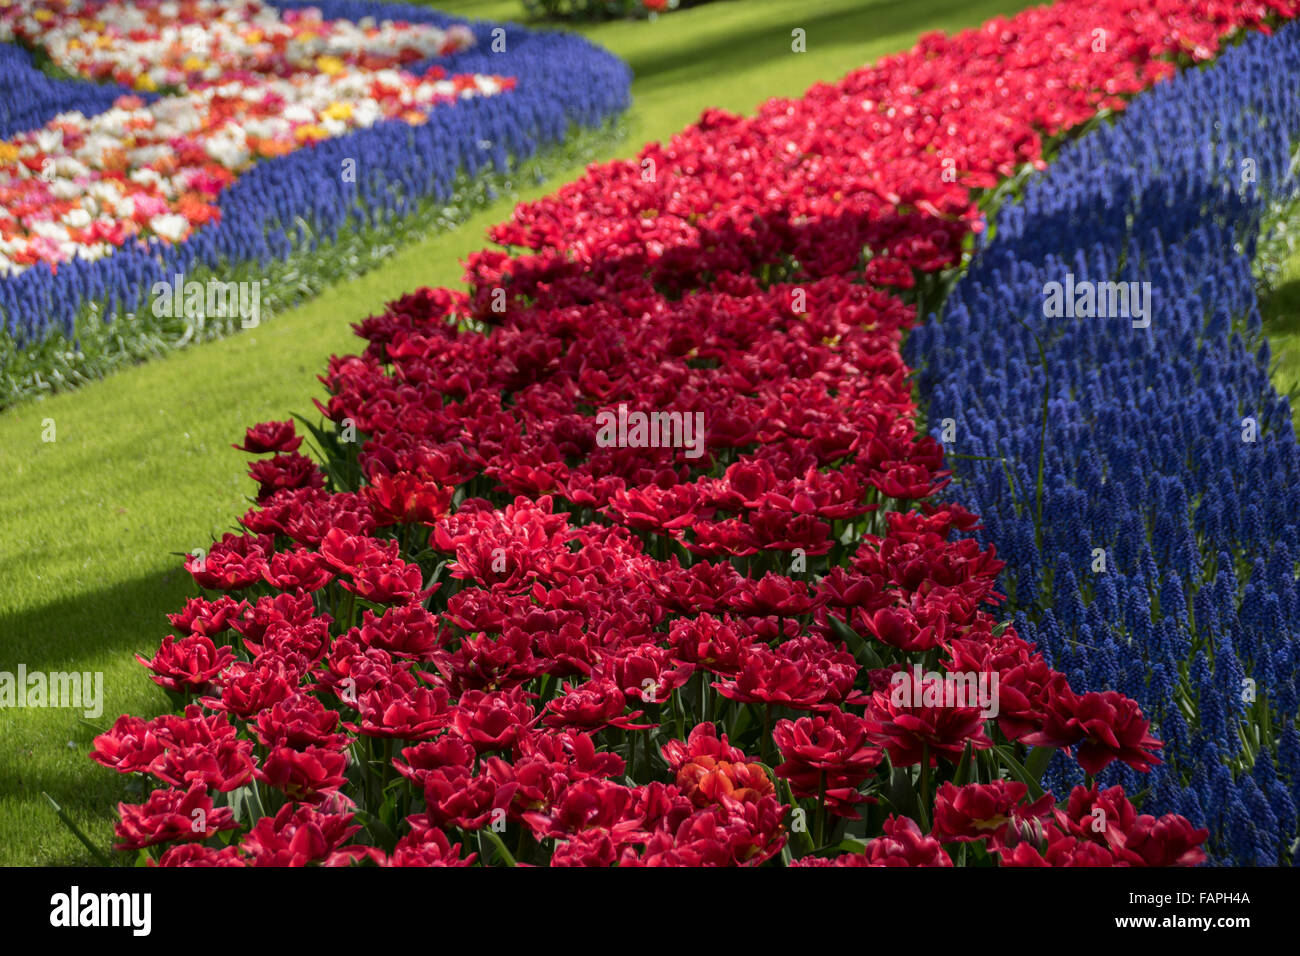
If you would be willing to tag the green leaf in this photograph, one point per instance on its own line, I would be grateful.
(1008, 760)
(963, 768)
(1038, 760)
(378, 830)
(858, 646)
(500, 846)
(901, 792)
(322, 440)
(76, 831)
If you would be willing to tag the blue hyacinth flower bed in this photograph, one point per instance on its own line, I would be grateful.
(1131, 461)
(29, 97)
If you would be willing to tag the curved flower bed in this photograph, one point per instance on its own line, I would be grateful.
(421, 661)
(1165, 449)
(508, 620)
(244, 84)
(874, 172)
(277, 137)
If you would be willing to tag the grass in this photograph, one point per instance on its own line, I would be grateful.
(1281, 314)
(1278, 267)
(141, 469)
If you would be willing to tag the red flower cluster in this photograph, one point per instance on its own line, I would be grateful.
(1103, 829)
(882, 162)
(517, 630)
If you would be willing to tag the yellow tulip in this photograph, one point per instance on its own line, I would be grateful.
(329, 65)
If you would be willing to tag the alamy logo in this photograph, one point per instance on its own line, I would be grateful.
(947, 689)
(1086, 299)
(74, 909)
(208, 300)
(83, 691)
(626, 429)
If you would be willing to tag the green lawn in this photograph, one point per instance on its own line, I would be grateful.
(142, 470)
(1280, 310)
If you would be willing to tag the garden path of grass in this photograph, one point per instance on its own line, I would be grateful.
(142, 469)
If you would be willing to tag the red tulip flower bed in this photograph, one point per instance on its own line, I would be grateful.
(877, 167)
(493, 628)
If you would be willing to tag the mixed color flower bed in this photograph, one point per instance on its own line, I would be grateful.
(246, 84)
(1154, 554)
(263, 130)
(513, 612)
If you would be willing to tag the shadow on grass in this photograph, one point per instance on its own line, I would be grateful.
(717, 52)
(110, 623)
(1280, 309)
(45, 750)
